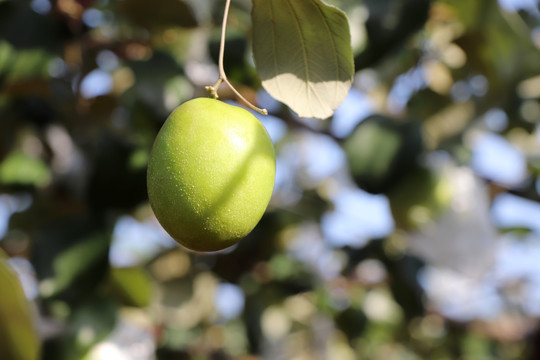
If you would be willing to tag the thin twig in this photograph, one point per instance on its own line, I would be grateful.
(222, 76)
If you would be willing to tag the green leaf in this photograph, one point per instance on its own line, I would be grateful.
(30, 63)
(303, 54)
(7, 55)
(132, 285)
(75, 262)
(18, 338)
(22, 169)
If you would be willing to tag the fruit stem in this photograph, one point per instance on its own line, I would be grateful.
(222, 76)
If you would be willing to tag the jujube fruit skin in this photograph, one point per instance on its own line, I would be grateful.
(211, 174)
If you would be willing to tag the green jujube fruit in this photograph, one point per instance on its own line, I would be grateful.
(210, 174)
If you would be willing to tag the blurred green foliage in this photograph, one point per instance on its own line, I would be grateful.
(85, 86)
(19, 339)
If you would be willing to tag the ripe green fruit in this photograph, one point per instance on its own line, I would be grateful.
(210, 174)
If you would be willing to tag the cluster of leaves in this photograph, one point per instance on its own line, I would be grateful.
(86, 85)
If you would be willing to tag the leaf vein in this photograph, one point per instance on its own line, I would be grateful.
(274, 45)
(334, 46)
(303, 41)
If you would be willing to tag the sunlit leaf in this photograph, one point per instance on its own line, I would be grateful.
(303, 54)
(21, 169)
(18, 338)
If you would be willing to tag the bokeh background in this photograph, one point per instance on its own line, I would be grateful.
(407, 226)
